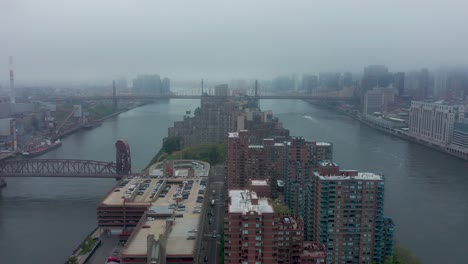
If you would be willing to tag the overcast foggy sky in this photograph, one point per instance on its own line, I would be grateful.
(103, 39)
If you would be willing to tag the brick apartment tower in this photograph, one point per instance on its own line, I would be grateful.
(253, 233)
(344, 211)
(236, 160)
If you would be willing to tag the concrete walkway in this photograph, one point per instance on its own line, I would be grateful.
(108, 244)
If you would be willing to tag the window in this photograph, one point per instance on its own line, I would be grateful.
(258, 238)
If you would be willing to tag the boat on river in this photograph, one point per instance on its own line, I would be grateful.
(41, 148)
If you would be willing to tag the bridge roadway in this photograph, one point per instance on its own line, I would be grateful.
(175, 96)
(65, 168)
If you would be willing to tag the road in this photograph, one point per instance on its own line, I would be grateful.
(213, 245)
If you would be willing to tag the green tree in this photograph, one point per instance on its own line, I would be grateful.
(171, 144)
(72, 260)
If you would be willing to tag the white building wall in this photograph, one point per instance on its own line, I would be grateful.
(434, 121)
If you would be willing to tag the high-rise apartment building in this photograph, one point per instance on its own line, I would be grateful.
(236, 159)
(303, 158)
(434, 122)
(344, 211)
(254, 233)
(245, 161)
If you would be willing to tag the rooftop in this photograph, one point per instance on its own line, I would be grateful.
(145, 190)
(359, 176)
(259, 182)
(155, 222)
(313, 250)
(323, 144)
(241, 202)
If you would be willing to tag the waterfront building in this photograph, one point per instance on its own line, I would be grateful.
(254, 233)
(434, 122)
(459, 143)
(387, 122)
(378, 99)
(344, 211)
(8, 138)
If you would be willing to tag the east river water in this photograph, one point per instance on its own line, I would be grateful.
(42, 220)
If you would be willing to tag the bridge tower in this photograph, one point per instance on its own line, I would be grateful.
(114, 98)
(256, 88)
(202, 87)
(123, 158)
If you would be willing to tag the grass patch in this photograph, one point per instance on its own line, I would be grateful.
(211, 153)
(281, 208)
(87, 245)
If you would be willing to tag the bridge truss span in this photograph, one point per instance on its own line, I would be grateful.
(58, 168)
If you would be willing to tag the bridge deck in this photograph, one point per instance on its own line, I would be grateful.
(58, 168)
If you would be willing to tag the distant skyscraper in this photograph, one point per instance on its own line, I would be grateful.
(330, 80)
(166, 86)
(148, 84)
(309, 82)
(282, 83)
(375, 75)
(418, 84)
(347, 79)
(451, 83)
(399, 83)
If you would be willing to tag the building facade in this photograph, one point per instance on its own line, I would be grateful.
(303, 157)
(253, 233)
(434, 122)
(345, 213)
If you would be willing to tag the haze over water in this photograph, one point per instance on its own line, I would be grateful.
(428, 202)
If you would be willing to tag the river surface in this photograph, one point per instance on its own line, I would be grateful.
(42, 220)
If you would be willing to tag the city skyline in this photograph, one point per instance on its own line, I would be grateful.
(253, 40)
